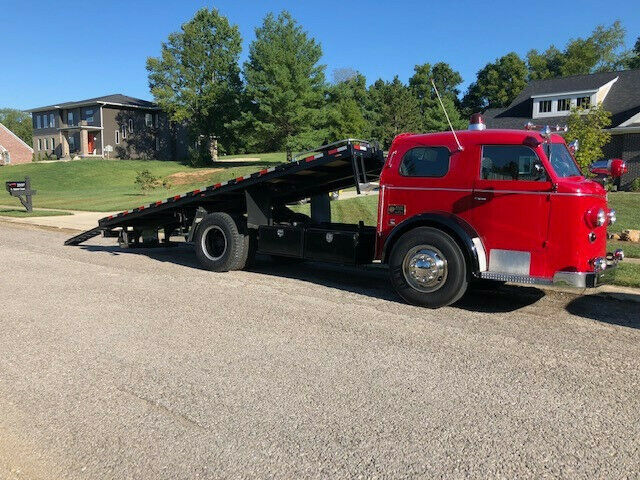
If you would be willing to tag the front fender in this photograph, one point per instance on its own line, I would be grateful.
(463, 233)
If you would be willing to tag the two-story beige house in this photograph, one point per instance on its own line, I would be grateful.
(115, 126)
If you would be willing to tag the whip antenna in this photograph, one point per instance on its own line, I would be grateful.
(460, 147)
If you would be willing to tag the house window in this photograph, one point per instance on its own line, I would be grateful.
(425, 162)
(148, 120)
(123, 129)
(39, 144)
(38, 121)
(564, 104)
(52, 121)
(583, 102)
(544, 106)
(46, 144)
(72, 143)
(70, 118)
(131, 125)
(157, 143)
(53, 144)
(117, 137)
(89, 116)
(155, 120)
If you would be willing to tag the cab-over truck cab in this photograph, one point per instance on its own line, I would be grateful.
(491, 206)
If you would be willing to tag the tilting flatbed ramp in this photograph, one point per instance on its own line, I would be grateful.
(326, 169)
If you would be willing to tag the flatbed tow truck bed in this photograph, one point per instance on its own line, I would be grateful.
(329, 168)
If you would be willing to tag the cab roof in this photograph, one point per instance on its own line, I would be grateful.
(474, 137)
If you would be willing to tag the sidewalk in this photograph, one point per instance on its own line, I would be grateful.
(78, 220)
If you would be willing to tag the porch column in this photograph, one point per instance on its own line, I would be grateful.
(84, 142)
(65, 144)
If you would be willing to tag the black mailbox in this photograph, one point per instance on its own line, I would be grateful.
(22, 190)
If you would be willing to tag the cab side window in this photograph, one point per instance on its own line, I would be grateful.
(511, 162)
(425, 162)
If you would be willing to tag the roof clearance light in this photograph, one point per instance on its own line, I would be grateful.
(476, 122)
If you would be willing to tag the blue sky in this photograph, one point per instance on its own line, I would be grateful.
(53, 51)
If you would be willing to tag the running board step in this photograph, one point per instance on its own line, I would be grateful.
(515, 278)
(84, 236)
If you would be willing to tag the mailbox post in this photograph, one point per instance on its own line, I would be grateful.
(22, 190)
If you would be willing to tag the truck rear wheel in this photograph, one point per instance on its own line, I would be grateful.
(220, 245)
(428, 268)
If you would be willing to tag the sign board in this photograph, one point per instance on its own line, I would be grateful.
(20, 189)
(108, 148)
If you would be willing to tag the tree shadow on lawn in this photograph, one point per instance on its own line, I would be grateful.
(370, 281)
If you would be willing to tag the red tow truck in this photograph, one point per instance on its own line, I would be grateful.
(454, 208)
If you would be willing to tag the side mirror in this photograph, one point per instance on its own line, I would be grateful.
(573, 147)
(614, 167)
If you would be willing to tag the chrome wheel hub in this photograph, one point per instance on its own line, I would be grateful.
(425, 268)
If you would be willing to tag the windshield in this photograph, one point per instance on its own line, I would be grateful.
(562, 162)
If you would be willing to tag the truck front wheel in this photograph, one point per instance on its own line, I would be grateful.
(428, 268)
(220, 246)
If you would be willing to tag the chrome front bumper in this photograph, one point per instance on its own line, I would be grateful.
(604, 271)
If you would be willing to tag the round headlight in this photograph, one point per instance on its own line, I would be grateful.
(601, 218)
(612, 216)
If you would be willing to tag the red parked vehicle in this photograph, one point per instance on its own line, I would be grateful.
(454, 208)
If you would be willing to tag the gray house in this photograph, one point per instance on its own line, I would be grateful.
(115, 126)
(548, 102)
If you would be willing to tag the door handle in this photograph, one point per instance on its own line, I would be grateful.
(481, 199)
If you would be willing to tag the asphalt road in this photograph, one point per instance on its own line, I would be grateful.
(138, 364)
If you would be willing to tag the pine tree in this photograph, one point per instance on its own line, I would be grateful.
(285, 85)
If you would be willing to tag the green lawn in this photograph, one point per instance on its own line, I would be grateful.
(21, 213)
(352, 210)
(627, 207)
(108, 185)
(627, 275)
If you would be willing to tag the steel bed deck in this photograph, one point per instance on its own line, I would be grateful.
(328, 168)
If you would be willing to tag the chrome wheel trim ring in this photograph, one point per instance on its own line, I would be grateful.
(205, 242)
(425, 268)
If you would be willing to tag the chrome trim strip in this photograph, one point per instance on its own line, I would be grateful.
(572, 279)
(523, 192)
(482, 255)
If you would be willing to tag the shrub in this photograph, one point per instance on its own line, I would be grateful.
(146, 181)
(635, 185)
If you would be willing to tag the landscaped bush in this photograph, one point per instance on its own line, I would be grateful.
(635, 185)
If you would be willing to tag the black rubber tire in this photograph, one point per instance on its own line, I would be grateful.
(234, 255)
(455, 285)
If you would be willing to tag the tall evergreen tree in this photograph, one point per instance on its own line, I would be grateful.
(347, 101)
(393, 109)
(447, 81)
(634, 56)
(196, 79)
(285, 85)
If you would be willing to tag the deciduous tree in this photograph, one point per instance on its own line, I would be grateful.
(497, 84)
(599, 52)
(588, 127)
(18, 122)
(196, 79)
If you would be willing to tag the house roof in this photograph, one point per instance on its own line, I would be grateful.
(116, 99)
(22, 142)
(623, 100)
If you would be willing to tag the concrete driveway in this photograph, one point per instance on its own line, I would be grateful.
(140, 365)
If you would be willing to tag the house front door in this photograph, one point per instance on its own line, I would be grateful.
(91, 143)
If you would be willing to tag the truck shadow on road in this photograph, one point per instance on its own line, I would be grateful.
(371, 281)
(606, 310)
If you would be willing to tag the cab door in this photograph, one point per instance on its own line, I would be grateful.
(511, 208)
